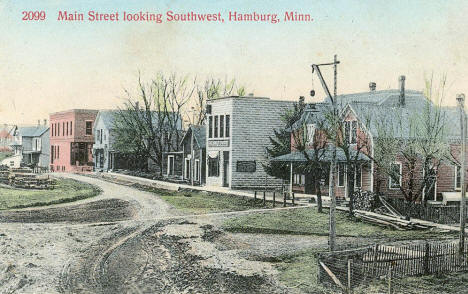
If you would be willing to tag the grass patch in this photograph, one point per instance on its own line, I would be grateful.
(299, 271)
(307, 221)
(66, 190)
(434, 284)
(194, 202)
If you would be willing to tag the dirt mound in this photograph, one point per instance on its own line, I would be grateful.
(97, 211)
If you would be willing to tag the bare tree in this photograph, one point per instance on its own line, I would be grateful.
(151, 119)
(417, 138)
(211, 88)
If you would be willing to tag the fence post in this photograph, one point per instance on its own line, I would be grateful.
(350, 290)
(390, 290)
(255, 196)
(264, 199)
(274, 198)
(293, 198)
(284, 199)
(426, 259)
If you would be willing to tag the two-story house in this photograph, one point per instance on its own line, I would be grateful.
(363, 114)
(71, 140)
(30, 147)
(238, 131)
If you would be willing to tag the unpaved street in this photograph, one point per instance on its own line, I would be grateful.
(114, 243)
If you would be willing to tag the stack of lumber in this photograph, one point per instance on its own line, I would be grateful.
(31, 181)
(398, 223)
(4, 173)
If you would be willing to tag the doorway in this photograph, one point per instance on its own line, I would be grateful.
(225, 168)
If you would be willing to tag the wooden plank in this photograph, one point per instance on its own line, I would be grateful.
(332, 275)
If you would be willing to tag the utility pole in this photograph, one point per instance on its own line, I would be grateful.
(332, 216)
(461, 105)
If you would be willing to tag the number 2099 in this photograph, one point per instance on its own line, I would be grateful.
(34, 15)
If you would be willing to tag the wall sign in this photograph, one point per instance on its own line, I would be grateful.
(218, 143)
(246, 166)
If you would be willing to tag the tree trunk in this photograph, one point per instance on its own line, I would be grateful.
(318, 191)
(350, 189)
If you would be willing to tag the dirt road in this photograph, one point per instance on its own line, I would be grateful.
(109, 244)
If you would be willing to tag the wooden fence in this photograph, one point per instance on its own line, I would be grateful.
(442, 214)
(358, 266)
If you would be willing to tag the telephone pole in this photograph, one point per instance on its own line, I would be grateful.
(332, 216)
(461, 105)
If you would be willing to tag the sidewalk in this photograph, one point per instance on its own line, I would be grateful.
(213, 189)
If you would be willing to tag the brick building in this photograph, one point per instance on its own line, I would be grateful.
(363, 115)
(238, 130)
(71, 140)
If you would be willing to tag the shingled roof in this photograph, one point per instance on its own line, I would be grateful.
(35, 131)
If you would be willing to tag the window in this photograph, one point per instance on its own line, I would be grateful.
(228, 126)
(63, 129)
(341, 174)
(52, 130)
(351, 132)
(71, 128)
(394, 180)
(89, 128)
(210, 127)
(310, 133)
(170, 164)
(58, 152)
(52, 153)
(197, 169)
(221, 126)
(457, 177)
(100, 137)
(213, 166)
(58, 129)
(97, 136)
(216, 126)
(67, 128)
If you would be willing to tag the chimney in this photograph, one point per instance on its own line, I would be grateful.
(45, 122)
(301, 99)
(372, 86)
(401, 100)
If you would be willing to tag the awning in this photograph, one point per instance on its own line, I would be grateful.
(325, 155)
(213, 154)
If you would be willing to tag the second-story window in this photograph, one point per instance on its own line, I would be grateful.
(89, 128)
(100, 136)
(228, 126)
(210, 126)
(310, 133)
(58, 129)
(221, 126)
(457, 177)
(71, 128)
(216, 126)
(350, 132)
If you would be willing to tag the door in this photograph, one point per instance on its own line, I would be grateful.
(225, 168)
(187, 168)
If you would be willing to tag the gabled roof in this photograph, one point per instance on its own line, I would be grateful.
(313, 114)
(199, 135)
(32, 131)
